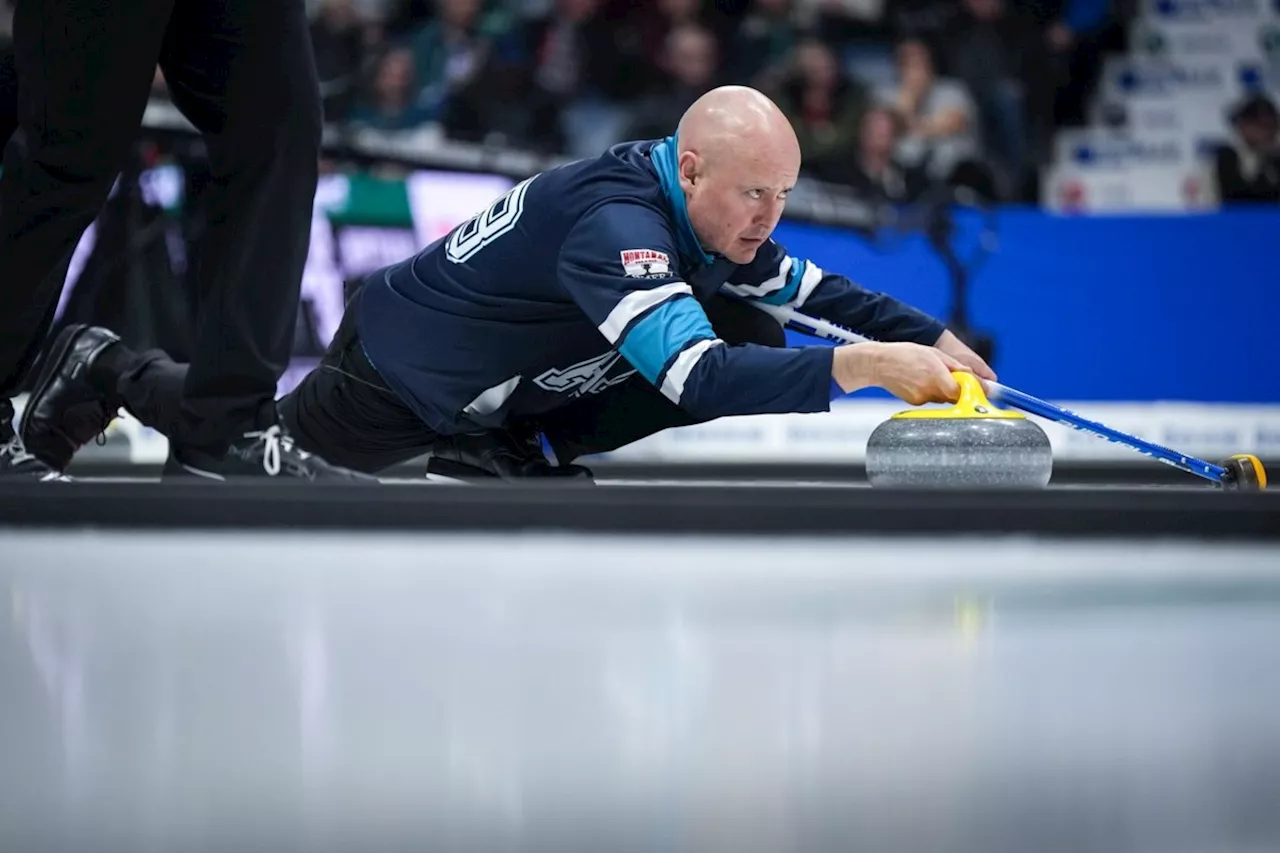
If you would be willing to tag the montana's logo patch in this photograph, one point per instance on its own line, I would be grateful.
(645, 263)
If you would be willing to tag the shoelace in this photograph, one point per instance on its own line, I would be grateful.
(275, 440)
(17, 453)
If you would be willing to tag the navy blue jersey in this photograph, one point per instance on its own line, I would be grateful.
(585, 276)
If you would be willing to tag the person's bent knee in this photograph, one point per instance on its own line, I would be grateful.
(737, 322)
(83, 166)
(291, 135)
(286, 128)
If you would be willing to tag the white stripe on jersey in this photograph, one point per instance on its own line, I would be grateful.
(636, 303)
(491, 400)
(673, 383)
(769, 285)
(812, 275)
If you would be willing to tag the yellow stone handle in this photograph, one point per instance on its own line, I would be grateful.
(973, 403)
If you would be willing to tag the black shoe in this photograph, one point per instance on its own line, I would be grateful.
(265, 453)
(65, 412)
(497, 454)
(17, 464)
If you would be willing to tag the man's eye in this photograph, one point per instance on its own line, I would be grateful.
(756, 193)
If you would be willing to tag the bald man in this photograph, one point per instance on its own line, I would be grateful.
(587, 306)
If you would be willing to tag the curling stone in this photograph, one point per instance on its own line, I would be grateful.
(973, 444)
(1244, 473)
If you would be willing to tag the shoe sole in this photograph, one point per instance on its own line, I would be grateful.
(446, 470)
(61, 346)
(458, 472)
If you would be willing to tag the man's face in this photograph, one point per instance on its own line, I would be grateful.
(736, 195)
(396, 73)
(914, 60)
(817, 65)
(460, 13)
(692, 57)
(1259, 133)
(878, 132)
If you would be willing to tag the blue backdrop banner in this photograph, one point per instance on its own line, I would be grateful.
(1179, 308)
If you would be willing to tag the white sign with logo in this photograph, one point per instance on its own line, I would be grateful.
(1147, 189)
(1204, 81)
(1210, 431)
(1216, 13)
(1194, 126)
(1099, 150)
(1171, 42)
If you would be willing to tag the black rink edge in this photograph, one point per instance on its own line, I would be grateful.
(650, 509)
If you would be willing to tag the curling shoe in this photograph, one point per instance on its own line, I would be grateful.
(66, 411)
(16, 463)
(498, 454)
(269, 453)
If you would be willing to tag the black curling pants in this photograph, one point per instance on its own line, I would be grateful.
(243, 72)
(344, 412)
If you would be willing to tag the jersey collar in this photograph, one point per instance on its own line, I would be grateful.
(664, 156)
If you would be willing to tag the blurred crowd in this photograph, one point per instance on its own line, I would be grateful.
(888, 96)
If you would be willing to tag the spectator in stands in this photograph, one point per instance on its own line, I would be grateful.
(844, 22)
(644, 29)
(450, 51)
(337, 37)
(577, 82)
(932, 20)
(689, 64)
(877, 173)
(393, 101)
(991, 54)
(760, 48)
(1248, 169)
(405, 17)
(939, 119)
(825, 106)
(1076, 40)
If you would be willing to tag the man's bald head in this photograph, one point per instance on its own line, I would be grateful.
(738, 158)
(735, 119)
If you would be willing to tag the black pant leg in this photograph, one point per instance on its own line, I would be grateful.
(345, 413)
(85, 69)
(8, 91)
(243, 72)
(150, 389)
(635, 409)
(341, 411)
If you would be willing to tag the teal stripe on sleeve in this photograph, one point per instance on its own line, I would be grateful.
(662, 333)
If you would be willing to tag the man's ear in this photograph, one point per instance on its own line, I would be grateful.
(687, 169)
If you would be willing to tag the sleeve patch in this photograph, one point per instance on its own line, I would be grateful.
(645, 263)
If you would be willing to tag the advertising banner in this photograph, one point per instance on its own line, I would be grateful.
(1206, 81)
(1155, 39)
(1103, 150)
(1193, 125)
(1144, 189)
(1219, 14)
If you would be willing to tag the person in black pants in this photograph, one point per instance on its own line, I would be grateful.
(243, 73)
(344, 411)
